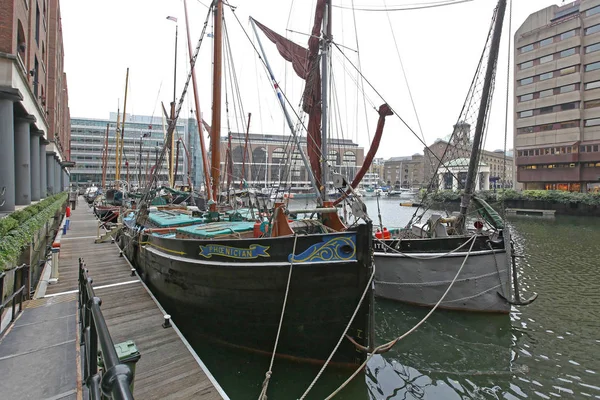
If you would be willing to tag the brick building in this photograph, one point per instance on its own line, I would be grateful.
(34, 122)
(404, 172)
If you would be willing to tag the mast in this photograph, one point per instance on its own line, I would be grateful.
(118, 177)
(118, 140)
(483, 108)
(105, 158)
(197, 112)
(325, 48)
(245, 152)
(215, 131)
(288, 118)
(140, 162)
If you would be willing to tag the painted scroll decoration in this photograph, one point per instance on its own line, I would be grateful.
(339, 248)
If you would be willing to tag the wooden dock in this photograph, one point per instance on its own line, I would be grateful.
(168, 367)
(525, 211)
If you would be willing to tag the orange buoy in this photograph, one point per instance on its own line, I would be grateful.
(386, 233)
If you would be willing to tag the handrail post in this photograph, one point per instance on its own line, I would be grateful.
(2, 275)
(14, 291)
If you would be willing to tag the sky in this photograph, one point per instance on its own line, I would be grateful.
(439, 49)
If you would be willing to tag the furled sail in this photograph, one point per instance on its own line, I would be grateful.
(306, 65)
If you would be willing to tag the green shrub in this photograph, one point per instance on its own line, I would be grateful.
(16, 230)
(550, 196)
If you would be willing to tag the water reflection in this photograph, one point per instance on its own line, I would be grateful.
(549, 349)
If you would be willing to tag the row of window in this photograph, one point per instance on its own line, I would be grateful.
(588, 148)
(547, 151)
(550, 92)
(555, 74)
(548, 41)
(549, 127)
(553, 56)
(547, 166)
(591, 165)
(550, 109)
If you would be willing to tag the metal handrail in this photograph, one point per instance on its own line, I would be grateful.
(115, 380)
(23, 271)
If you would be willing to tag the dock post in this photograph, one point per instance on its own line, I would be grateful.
(55, 255)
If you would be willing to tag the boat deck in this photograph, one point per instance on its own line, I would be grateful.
(42, 346)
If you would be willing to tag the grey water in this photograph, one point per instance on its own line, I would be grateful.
(549, 349)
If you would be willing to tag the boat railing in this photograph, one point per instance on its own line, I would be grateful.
(20, 276)
(114, 380)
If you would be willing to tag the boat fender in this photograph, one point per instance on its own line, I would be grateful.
(378, 234)
(386, 233)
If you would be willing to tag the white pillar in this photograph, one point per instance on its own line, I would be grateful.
(486, 181)
(454, 183)
(43, 173)
(50, 174)
(441, 181)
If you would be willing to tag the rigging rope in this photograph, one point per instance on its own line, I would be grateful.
(407, 7)
(265, 385)
(390, 344)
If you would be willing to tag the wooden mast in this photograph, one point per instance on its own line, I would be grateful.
(120, 153)
(483, 109)
(215, 131)
(197, 111)
(245, 152)
(105, 158)
(118, 142)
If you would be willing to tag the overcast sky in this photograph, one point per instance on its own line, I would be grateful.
(440, 48)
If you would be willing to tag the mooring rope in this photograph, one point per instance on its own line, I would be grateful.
(344, 334)
(390, 344)
(265, 385)
(424, 258)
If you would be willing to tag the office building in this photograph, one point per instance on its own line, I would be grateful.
(88, 142)
(275, 160)
(404, 172)
(557, 98)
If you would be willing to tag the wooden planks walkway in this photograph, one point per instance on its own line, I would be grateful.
(168, 367)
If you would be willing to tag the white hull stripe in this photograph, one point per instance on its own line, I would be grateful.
(433, 255)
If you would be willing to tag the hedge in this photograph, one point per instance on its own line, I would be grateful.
(17, 229)
(550, 196)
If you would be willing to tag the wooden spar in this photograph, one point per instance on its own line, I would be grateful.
(384, 111)
(118, 140)
(483, 109)
(229, 163)
(176, 163)
(215, 132)
(105, 158)
(197, 112)
(172, 149)
(118, 177)
(245, 152)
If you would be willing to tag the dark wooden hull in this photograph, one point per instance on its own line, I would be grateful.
(237, 297)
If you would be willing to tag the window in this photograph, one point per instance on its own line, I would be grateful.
(569, 124)
(546, 110)
(524, 114)
(546, 76)
(592, 48)
(526, 81)
(568, 70)
(567, 89)
(36, 67)
(567, 34)
(526, 65)
(592, 85)
(546, 93)
(592, 103)
(546, 127)
(526, 97)
(546, 42)
(592, 66)
(546, 59)
(592, 122)
(528, 129)
(592, 29)
(592, 11)
(527, 48)
(569, 106)
(567, 53)
(37, 24)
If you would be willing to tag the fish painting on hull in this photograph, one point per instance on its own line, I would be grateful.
(341, 248)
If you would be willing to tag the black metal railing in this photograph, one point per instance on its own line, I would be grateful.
(114, 382)
(20, 277)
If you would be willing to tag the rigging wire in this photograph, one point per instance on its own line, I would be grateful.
(507, 95)
(362, 83)
(412, 101)
(407, 7)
